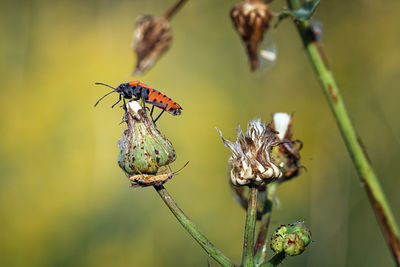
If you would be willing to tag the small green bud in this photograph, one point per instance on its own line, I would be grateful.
(292, 239)
(294, 245)
(301, 230)
(278, 239)
(143, 150)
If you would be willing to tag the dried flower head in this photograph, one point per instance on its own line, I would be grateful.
(143, 150)
(151, 38)
(287, 155)
(251, 160)
(251, 19)
(284, 154)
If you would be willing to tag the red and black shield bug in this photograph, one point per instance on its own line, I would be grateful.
(136, 90)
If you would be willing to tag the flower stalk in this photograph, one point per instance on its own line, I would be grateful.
(358, 155)
(248, 245)
(172, 11)
(261, 246)
(275, 260)
(192, 229)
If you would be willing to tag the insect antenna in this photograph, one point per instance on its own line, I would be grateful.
(115, 90)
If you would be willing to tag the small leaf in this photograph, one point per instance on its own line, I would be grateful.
(305, 12)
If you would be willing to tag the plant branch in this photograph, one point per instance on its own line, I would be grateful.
(275, 260)
(261, 246)
(172, 11)
(192, 229)
(359, 156)
(248, 245)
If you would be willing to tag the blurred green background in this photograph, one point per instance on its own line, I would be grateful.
(65, 202)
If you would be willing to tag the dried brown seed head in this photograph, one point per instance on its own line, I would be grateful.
(251, 160)
(151, 38)
(251, 19)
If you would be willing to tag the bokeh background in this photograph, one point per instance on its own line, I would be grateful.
(65, 202)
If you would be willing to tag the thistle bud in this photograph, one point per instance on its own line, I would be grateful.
(251, 160)
(292, 239)
(251, 19)
(287, 155)
(143, 150)
(151, 38)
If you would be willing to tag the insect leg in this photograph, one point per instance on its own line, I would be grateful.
(161, 105)
(119, 100)
(143, 98)
(125, 108)
(300, 144)
(159, 115)
(151, 113)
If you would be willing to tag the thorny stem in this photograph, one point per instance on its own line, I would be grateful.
(360, 159)
(192, 229)
(261, 246)
(248, 244)
(275, 260)
(171, 12)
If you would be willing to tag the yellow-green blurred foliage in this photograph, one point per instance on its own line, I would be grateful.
(65, 202)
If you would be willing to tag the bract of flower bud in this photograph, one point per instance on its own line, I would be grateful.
(150, 179)
(143, 150)
(286, 155)
(292, 239)
(251, 19)
(151, 38)
(251, 160)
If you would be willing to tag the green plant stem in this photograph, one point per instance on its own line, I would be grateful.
(358, 154)
(275, 260)
(248, 244)
(192, 229)
(261, 246)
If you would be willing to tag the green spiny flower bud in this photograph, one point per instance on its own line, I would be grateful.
(278, 239)
(143, 150)
(292, 239)
(294, 245)
(301, 230)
